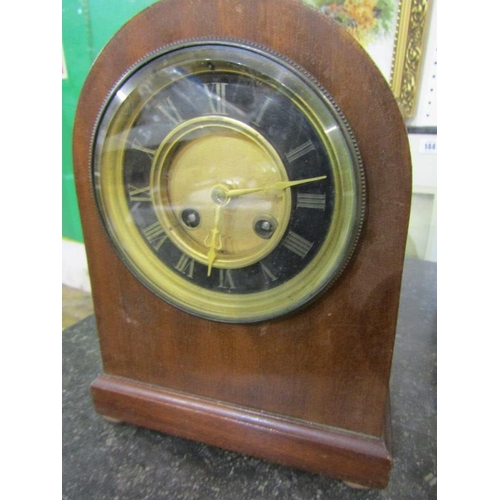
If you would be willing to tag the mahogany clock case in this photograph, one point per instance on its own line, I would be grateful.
(309, 390)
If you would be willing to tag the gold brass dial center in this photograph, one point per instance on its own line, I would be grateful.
(197, 167)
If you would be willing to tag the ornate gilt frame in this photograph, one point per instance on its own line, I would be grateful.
(407, 55)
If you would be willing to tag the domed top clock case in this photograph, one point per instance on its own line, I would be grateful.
(243, 178)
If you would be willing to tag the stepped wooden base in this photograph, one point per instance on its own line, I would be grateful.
(356, 458)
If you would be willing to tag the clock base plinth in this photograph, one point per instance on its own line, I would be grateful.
(353, 457)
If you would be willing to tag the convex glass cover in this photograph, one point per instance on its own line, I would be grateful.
(228, 181)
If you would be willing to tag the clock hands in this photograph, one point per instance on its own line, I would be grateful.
(280, 185)
(213, 241)
(221, 194)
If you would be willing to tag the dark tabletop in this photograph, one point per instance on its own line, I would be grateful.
(105, 461)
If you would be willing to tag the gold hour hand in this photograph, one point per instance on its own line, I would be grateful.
(213, 241)
(280, 185)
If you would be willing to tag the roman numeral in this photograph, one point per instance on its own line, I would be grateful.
(262, 110)
(185, 265)
(309, 200)
(269, 276)
(226, 279)
(156, 235)
(216, 93)
(139, 194)
(298, 245)
(139, 147)
(299, 151)
(170, 111)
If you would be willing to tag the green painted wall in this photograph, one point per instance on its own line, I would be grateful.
(87, 25)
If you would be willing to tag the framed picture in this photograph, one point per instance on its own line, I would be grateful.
(392, 32)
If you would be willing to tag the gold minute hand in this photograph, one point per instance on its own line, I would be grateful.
(234, 193)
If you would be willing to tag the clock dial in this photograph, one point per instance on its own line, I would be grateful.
(228, 181)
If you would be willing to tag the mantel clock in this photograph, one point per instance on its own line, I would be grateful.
(244, 178)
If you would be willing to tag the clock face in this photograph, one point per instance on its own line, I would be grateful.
(228, 181)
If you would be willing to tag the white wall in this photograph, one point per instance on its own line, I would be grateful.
(422, 237)
(74, 265)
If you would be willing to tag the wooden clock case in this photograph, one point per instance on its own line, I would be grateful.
(310, 390)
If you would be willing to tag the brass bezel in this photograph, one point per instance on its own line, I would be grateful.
(337, 138)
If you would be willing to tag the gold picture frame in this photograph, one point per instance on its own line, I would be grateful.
(407, 54)
(393, 33)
